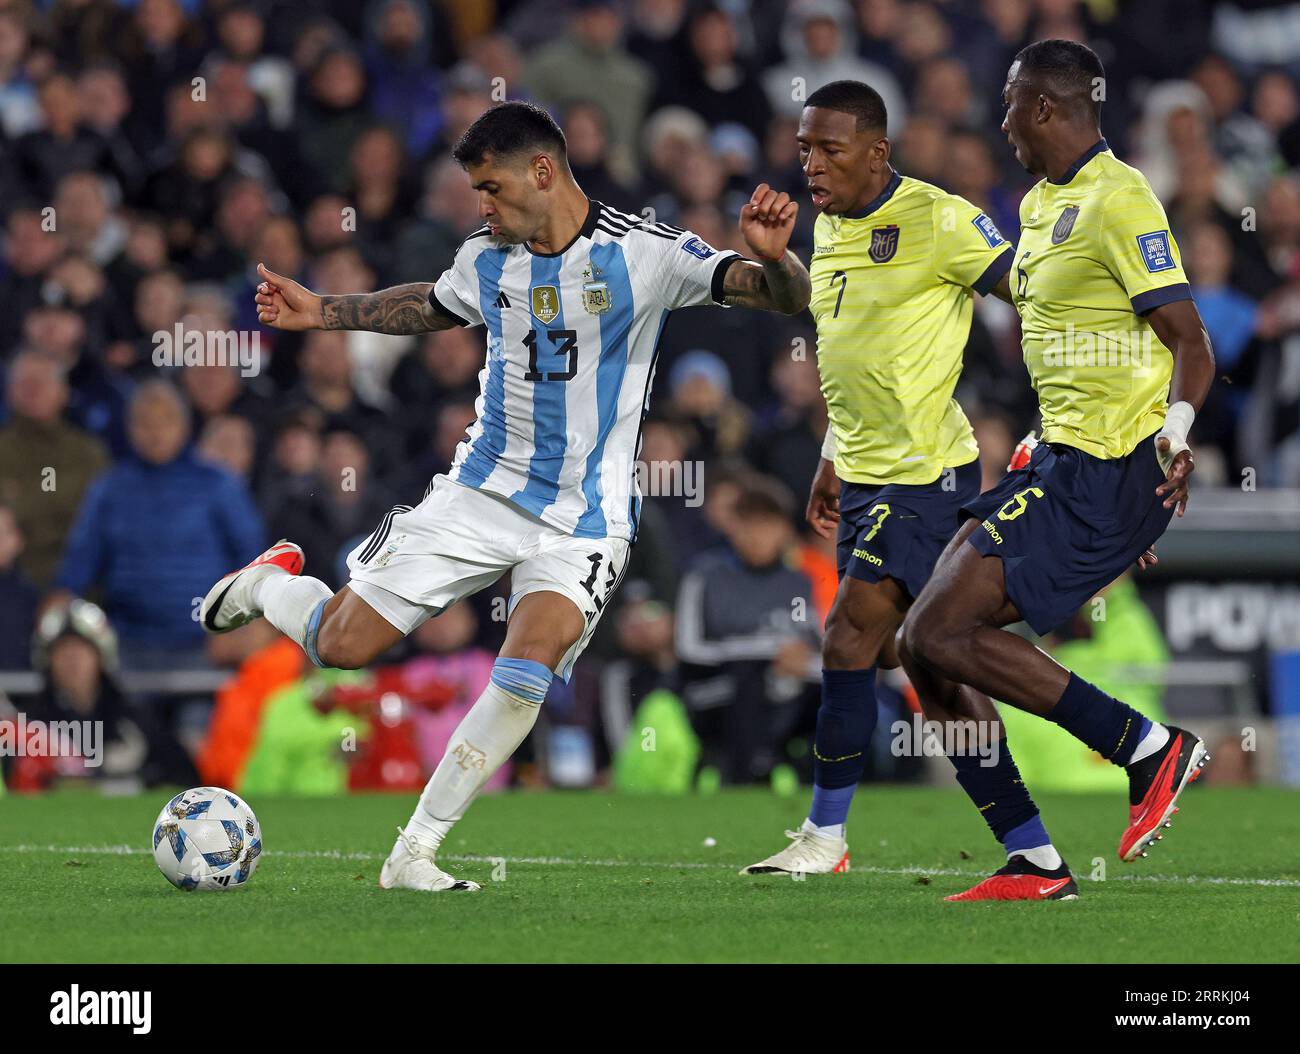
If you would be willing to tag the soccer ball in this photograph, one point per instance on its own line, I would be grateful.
(207, 838)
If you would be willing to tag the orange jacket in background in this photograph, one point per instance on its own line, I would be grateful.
(238, 712)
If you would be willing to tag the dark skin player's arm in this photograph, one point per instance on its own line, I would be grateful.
(1180, 329)
(1003, 289)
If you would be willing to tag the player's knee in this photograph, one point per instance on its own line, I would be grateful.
(905, 657)
(922, 639)
(846, 646)
(547, 653)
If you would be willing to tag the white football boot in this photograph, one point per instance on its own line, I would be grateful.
(411, 866)
(229, 603)
(808, 853)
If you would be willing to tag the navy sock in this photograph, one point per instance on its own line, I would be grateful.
(1113, 729)
(999, 794)
(1029, 835)
(845, 721)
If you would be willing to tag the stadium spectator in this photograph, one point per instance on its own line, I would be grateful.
(719, 84)
(18, 597)
(76, 650)
(46, 463)
(229, 442)
(818, 41)
(404, 91)
(19, 108)
(747, 636)
(700, 387)
(344, 506)
(31, 249)
(155, 531)
(589, 64)
(788, 444)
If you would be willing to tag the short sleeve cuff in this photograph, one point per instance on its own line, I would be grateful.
(993, 273)
(720, 275)
(442, 308)
(1154, 298)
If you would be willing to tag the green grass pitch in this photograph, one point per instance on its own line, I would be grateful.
(605, 877)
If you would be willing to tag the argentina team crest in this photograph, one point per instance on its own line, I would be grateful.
(1065, 224)
(596, 299)
(546, 303)
(884, 243)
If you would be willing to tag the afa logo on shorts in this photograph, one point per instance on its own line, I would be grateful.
(698, 247)
(1156, 253)
(989, 230)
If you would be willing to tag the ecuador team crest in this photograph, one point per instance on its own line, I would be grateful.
(546, 303)
(884, 243)
(1065, 224)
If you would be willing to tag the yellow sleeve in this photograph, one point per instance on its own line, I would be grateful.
(1139, 249)
(969, 250)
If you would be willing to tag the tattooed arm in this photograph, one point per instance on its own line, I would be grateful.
(780, 282)
(285, 304)
(782, 285)
(398, 309)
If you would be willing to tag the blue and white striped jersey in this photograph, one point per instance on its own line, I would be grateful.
(572, 339)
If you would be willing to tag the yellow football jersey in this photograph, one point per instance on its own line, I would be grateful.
(892, 298)
(1095, 253)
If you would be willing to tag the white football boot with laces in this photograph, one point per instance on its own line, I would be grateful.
(411, 866)
(808, 853)
(229, 603)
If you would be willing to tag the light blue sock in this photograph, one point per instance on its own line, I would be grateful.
(313, 627)
(525, 678)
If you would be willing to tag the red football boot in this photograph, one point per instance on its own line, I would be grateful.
(1021, 880)
(229, 603)
(1154, 784)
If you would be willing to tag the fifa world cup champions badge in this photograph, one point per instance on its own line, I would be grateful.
(596, 298)
(545, 303)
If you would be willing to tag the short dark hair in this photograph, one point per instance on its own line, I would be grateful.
(1066, 70)
(763, 498)
(852, 97)
(509, 129)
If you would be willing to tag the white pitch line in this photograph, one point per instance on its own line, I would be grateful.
(562, 861)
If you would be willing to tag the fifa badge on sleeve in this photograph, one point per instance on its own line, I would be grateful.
(596, 298)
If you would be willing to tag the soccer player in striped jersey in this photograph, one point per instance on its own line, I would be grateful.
(1116, 349)
(896, 266)
(573, 295)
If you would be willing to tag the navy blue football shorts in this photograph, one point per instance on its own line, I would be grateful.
(898, 530)
(1067, 525)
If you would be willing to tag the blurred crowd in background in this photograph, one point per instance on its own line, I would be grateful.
(151, 153)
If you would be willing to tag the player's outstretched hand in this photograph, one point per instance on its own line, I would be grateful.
(284, 304)
(1147, 559)
(824, 500)
(767, 221)
(1174, 488)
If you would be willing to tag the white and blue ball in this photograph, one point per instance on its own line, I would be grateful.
(206, 839)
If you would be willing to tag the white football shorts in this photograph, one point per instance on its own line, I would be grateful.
(459, 540)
